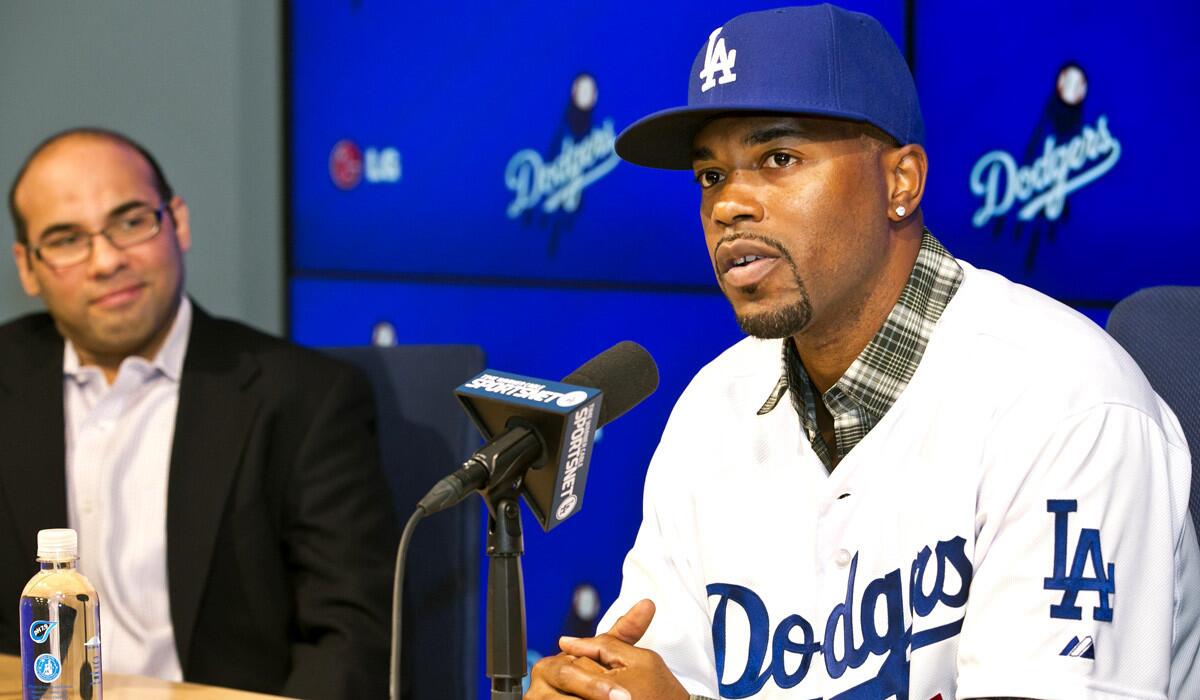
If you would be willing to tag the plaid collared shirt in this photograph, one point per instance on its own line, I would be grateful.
(879, 374)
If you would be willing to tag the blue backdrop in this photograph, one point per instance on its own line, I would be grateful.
(453, 181)
(988, 75)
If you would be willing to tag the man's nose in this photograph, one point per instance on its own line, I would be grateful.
(106, 257)
(738, 200)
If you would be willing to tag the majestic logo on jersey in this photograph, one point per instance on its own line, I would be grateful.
(1080, 648)
(927, 585)
(1087, 552)
(717, 60)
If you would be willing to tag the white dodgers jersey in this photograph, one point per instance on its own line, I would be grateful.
(1015, 525)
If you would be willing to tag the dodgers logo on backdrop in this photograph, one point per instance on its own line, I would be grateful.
(717, 60)
(1064, 154)
(1043, 186)
(937, 578)
(549, 188)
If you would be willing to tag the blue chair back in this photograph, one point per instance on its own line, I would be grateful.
(424, 435)
(1160, 328)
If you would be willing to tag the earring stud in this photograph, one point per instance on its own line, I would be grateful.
(900, 211)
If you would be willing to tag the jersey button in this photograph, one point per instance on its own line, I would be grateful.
(842, 558)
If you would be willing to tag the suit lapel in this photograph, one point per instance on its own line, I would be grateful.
(32, 434)
(214, 419)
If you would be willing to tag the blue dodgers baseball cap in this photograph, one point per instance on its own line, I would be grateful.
(820, 61)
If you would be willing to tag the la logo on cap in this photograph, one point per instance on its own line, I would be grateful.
(716, 59)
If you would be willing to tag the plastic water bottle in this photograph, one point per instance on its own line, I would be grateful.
(60, 625)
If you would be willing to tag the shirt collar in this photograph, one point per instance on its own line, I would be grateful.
(883, 369)
(168, 360)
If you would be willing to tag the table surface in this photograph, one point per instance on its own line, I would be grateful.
(119, 686)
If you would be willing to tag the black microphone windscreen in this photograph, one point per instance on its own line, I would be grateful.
(625, 373)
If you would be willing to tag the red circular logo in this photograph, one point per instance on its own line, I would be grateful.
(345, 164)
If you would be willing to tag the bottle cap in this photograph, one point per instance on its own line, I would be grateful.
(57, 545)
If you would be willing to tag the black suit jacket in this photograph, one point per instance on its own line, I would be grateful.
(280, 529)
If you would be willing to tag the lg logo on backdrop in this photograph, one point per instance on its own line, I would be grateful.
(348, 166)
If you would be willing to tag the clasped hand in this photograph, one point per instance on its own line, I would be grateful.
(608, 666)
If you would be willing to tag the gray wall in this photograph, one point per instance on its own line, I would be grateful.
(199, 83)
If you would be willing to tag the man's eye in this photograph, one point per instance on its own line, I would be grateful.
(708, 178)
(780, 160)
(65, 240)
(135, 221)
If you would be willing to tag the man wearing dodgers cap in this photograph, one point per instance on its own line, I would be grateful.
(916, 479)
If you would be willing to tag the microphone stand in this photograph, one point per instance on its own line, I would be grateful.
(506, 459)
(507, 653)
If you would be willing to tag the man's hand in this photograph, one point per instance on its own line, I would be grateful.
(607, 667)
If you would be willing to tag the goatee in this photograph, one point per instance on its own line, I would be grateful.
(778, 323)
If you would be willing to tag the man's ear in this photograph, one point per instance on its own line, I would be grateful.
(23, 259)
(179, 214)
(905, 170)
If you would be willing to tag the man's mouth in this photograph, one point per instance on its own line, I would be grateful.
(745, 261)
(118, 297)
(749, 270)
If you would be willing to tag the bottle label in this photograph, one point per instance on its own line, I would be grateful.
(39, 631)
(46, 668)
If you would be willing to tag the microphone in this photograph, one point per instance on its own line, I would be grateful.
(540, 433)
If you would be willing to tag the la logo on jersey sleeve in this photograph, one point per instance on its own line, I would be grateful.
(717, 60)
(1088, 554)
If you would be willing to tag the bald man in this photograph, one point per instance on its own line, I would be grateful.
(225, 484)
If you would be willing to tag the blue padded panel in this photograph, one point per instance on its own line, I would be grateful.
(424, 435)
(1160, 328)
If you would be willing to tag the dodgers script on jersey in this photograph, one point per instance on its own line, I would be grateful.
(1015, 526)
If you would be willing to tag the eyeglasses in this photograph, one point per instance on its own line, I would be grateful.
(64, 247)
